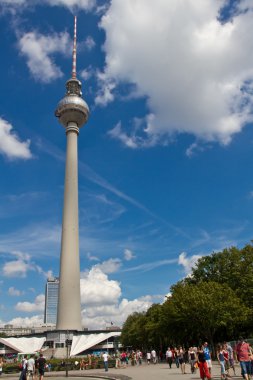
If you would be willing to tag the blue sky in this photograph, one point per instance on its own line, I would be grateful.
(165, 160)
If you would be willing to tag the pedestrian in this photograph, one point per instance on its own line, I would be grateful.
(36, 370)
(148, 357)
(1, 365)
(192, 359)
(41, 366)
(153, 355)
(82, 365)
(139, 357)
(176, 357)
(181, 359)
(244, 353)
(117, 359)
(226, 357)
(169, 356)
(23, 368)
(221, 360)
(105, 358)
(123, 359)
(231, 356)
(207, 355)
(202, 364)
(30, 367)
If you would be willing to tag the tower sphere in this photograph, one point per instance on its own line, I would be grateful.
(72, 108)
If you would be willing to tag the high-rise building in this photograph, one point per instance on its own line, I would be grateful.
(73, 113)
(51, 300)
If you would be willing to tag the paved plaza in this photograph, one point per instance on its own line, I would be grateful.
(159, 371)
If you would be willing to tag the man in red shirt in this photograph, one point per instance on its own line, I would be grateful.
(243, 352)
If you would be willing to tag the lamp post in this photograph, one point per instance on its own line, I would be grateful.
(68, 341)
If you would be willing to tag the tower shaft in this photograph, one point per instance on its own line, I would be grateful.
(73, 113)
(69, 306)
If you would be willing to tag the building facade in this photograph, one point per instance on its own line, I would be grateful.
(51, 300)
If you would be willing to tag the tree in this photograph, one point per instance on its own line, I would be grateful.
(232, 266)
(153, 326)
(133, 331)
(206, 310)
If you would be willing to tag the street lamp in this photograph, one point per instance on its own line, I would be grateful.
(68, 343)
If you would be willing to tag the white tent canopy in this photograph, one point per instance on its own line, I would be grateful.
(24, 345)
(84, 342)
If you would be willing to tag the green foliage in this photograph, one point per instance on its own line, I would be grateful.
(56, 365)
(206, 309)
(232, 266)
(133, 332)
(215, 304)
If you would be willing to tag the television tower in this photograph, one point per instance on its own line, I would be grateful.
(73, 113)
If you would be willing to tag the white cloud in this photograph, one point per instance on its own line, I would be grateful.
(96, 288)
(35, 320)
(194, 71)
(105, 94)
(14, 292)
(86, 73)
(128, 255)
(20, 266)
(109, 266)
(89, 43)
(193, 149)
(101, 299)
(29, 307)
(133, 140)
(91, 257)
(86, 5)
(13, 2)
(118, 134)
(188, 262)
(37, 48)
(102, 316)
(17, 268)
(10, 144)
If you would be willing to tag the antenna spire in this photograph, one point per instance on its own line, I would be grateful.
(74, 52)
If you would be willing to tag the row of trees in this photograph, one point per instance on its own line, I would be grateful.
(215, 303)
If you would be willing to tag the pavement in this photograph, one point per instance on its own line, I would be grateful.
(159, 371)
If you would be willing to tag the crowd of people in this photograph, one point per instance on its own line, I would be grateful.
(186, 360)
(33, 367)
(198, 359)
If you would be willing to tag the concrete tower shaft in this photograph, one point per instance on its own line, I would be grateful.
(73, 113)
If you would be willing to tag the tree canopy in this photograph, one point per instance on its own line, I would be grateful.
(214, 303)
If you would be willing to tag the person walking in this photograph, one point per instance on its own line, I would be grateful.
(203, 367)
(192, 359)
(23, 368)
(153, 355)
(117, 359)
(169, 356)
(148, 357)
(231, 356)
(1, 365)
(41, 366)
(123, 359)
(207, 355)
(244, 353)
(105, 358)
(226, 357)
(176, 357)
(221, 360)
(181, 359)
(30, 367)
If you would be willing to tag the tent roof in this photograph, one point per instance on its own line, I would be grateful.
(84, 342)
(24, 345)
